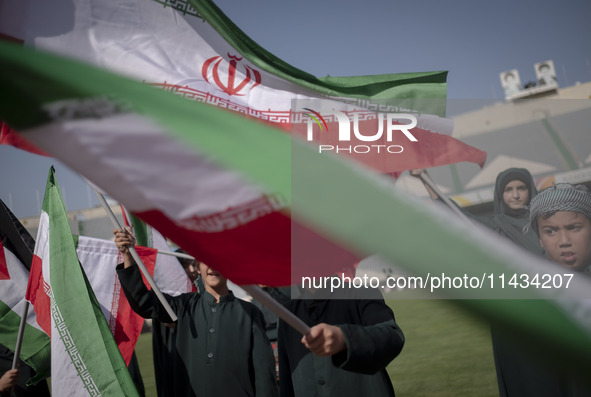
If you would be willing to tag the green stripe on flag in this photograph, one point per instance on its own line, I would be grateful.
(143, 235)
(80, 323)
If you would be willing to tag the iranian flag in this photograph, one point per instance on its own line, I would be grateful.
(84, 356)
(182, 168)
(99, 259)
(196, 52)
(16, 255)
(224, 218)
(193, 50)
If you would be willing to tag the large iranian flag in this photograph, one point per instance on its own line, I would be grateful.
(84, 356)
(114, 131)
(193, 50)
(16, 255)
(196, 52)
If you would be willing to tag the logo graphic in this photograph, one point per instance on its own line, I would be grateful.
(231, 87)
(316, 119)
(361, 132)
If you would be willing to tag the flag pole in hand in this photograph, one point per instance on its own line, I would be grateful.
(138, 260)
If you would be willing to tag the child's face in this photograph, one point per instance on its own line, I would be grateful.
(515, 194)
(191, 269)
(210, 277)
(566, 238)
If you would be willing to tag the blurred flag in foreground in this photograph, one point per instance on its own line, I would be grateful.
(172, 163)
(84, 356)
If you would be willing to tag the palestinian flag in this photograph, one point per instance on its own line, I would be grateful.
(16, 255)
(84, 356)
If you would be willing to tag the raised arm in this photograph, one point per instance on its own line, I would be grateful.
(143, 301)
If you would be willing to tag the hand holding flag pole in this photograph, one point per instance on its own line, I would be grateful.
(137, 259)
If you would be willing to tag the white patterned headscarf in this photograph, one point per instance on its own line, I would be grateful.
(559, 197)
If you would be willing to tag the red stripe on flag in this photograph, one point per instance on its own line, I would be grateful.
(9, 137)
(124, 214)
(259, 252)
(38, 297)
(129, 324)
(3, 265)
(148, 256)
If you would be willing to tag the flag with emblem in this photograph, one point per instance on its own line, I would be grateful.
(84, 356)
(190, 48)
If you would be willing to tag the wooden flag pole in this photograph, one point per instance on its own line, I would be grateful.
(137, 259)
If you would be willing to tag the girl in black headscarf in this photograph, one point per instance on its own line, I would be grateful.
(514, 190)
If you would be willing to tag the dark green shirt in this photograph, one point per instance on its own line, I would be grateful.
(373, 340)
(221, 346)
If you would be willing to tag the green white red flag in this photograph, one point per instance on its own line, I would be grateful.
(84, 356)
(198, 53)
(113, 131)
(16, 255)
(99, 259)
(212, 61)
(226, 220)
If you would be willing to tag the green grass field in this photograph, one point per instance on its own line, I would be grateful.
(143, 351)
(447, 353)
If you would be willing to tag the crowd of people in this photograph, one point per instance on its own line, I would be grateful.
(224, 346)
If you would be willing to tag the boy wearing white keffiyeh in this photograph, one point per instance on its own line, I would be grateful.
(561, 216)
